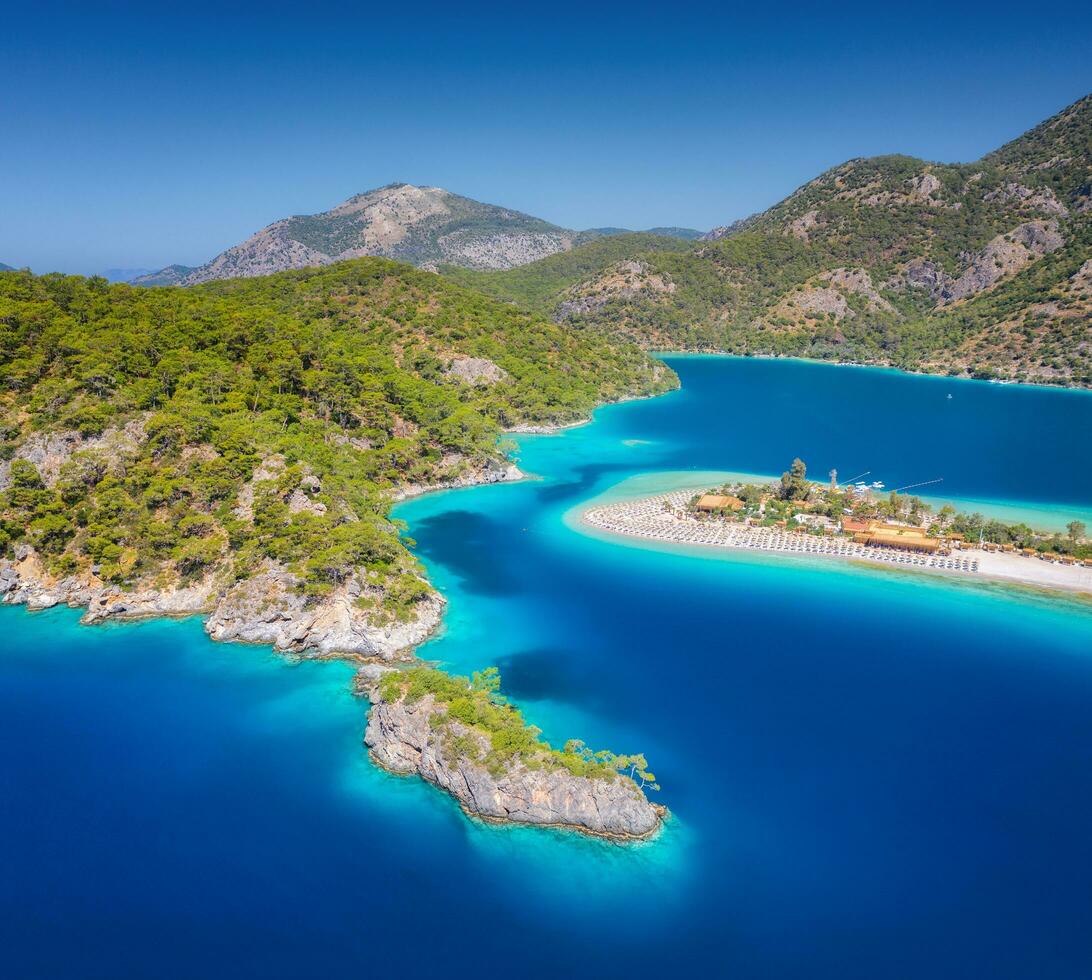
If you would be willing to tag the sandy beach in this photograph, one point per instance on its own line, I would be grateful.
(662, 517)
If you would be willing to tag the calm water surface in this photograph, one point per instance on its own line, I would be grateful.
(873, 775)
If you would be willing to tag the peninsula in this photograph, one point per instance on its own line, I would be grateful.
(854, 522)
(232, 450)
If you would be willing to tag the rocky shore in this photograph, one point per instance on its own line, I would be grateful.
(403, 738)
(270, 607)
(265, 608)
(476, 476)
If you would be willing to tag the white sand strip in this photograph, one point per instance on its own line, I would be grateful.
(664, 518)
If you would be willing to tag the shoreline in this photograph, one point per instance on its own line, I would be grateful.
(263, 610)
(646, 519)
(870, 366)
(607, 837)
(1040, 514)
(528, 429)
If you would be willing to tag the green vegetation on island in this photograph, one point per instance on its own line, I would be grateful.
(478, 706)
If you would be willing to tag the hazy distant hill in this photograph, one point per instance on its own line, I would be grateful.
(982, 268)
(690, 234)
(125, 275)
(6, 268)
(172, 275)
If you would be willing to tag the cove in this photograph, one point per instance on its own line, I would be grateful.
(870, 776)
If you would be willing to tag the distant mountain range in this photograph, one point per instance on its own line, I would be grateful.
(6, 268)
(982, 268)
(425, 226)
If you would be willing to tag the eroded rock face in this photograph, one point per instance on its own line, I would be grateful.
(858, 281)
(923, 187)
(1004, 256)
(265, 608)
(268, 608)
(927, 275)
(802, 227)
(824, 300)
(401, 739)
(477, 371)
(472, 475)
(1082, 279)
(50, 451)
(1041, 199)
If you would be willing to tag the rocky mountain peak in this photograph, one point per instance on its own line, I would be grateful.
(426, 226)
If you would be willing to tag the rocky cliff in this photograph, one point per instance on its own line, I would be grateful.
(267, 607)
(405, 738)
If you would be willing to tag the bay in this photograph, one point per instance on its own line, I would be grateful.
(871, 774)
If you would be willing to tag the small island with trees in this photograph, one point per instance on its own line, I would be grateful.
(462, 735)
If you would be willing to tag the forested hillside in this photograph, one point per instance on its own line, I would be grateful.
(982, 268)
(160, 436)
(539, 284)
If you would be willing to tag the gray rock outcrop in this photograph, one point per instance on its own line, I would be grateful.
(269, 608)
(1004, 256)
(402, 739)
(477, 371)
(266, 608)
(49, 452)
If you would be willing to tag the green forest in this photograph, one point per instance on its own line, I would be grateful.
(495, 733)
(170, 400)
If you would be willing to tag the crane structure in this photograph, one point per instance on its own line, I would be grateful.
(924, 483)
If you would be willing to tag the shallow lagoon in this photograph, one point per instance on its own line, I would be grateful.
(872, 774)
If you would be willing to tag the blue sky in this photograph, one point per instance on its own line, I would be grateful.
(138, 135)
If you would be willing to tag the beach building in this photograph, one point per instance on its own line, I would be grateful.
(879, 534)
(710, 502)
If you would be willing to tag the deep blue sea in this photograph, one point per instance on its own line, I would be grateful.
(872, 774)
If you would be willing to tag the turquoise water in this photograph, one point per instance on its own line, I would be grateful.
(872, 774)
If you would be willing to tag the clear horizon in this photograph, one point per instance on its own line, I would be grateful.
(136, 140)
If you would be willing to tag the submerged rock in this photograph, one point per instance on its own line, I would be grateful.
(404, 738)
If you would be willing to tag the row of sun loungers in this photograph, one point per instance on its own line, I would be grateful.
(664, 518)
